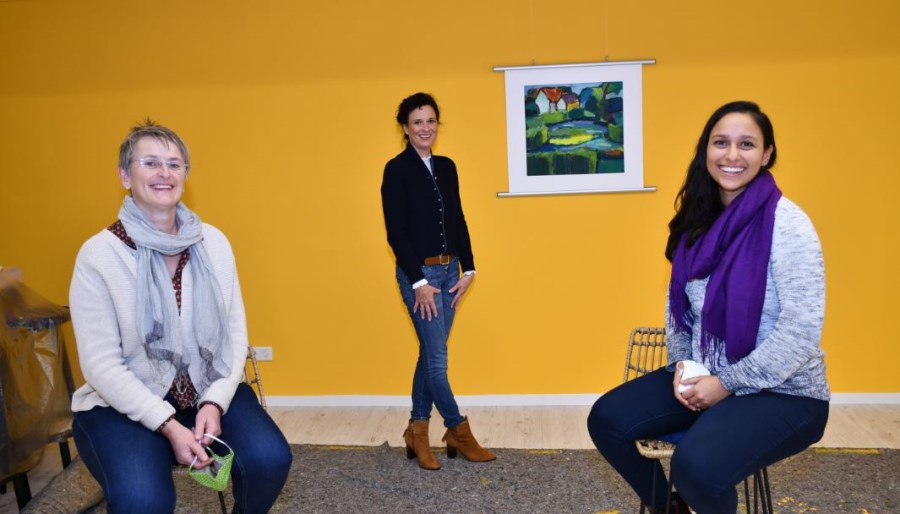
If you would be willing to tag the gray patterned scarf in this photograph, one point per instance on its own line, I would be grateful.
(157, 311)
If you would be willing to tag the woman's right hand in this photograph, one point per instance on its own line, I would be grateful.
(425, 305)
(185, 446)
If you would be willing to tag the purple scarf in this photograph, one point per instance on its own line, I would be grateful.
(734, 254)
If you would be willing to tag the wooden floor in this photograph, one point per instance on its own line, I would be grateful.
(849, 426)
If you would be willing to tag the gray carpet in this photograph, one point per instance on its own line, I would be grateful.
(338, 479)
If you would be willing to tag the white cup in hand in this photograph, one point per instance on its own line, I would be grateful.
(691, 369)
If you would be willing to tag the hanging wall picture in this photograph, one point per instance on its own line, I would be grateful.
(574, 128)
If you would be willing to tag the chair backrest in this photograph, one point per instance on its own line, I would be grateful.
(646, 351)
(252, 377)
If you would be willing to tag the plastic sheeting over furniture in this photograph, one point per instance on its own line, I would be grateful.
(35, 381)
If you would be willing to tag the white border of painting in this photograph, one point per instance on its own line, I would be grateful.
(517, 78)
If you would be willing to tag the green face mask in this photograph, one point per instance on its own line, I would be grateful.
(216, 475)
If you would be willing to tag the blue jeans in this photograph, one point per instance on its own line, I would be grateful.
(430, 383)
(134, 465)
(721, 446)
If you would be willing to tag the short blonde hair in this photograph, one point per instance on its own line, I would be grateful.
(149, 128)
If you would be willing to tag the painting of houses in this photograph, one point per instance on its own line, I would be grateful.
(573, 129)
(549, 99)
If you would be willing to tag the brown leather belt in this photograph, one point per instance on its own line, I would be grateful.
(438, 259)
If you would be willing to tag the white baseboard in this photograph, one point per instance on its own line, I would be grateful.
(338, 401)
(865, 398)
(519, 400)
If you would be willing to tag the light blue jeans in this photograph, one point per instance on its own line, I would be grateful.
(430, 383)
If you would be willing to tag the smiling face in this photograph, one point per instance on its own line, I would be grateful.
(155, 191)
(422, 129)
(735, 154)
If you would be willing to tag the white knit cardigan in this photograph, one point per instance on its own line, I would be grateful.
(115, 365)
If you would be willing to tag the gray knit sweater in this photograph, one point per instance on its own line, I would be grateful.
(787, 358)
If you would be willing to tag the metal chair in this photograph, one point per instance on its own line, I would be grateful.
(646, 353)
(253, 379)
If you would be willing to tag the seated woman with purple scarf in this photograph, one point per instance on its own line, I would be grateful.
(746, 300)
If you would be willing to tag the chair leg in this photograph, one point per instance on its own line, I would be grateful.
(767, 495)
(762, 493)
(653, 496)
(670, 488)
(64, 454)
(222, 503)
(23, 490)
(756, 495)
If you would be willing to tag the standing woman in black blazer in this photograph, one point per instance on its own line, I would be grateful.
(427, 230)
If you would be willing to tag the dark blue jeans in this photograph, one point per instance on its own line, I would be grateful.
(721, 446)
(430, 383)
(134, 465)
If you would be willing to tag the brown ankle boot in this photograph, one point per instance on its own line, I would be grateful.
(460, 438)
(416, 437)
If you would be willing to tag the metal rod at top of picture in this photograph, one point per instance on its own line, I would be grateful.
(573, 65)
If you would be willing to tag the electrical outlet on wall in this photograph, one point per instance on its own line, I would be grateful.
(263, 353)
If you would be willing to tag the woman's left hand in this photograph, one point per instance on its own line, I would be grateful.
(706, 392)
(459, 289)
(208, 421)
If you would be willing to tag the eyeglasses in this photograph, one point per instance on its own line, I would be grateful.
(153, 163)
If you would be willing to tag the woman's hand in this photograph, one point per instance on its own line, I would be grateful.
(185, 445)
(706, 391)
(676, 383)
(425, 305)
(209, 421)
(460, 288)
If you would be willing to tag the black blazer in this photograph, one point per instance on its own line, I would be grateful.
(423, 215)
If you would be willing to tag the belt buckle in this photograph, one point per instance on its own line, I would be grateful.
(441, 259)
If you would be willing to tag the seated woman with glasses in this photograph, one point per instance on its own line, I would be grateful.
(162, 340)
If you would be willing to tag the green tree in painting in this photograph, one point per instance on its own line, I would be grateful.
(531, 108)
(597, 101)
(535, 137)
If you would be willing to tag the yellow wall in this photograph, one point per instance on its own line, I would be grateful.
(288, 110)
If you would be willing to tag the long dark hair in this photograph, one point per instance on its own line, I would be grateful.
(698, 203)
